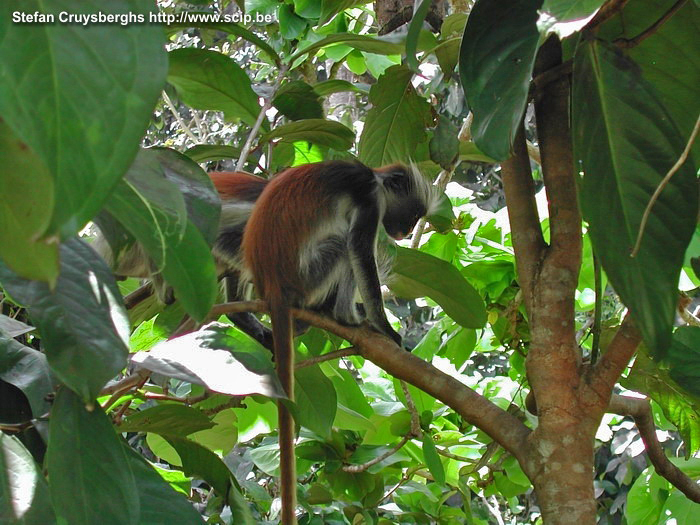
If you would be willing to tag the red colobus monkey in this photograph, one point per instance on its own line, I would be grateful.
(311, 242)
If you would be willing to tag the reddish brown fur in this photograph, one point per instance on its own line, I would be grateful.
(237, 185)
(282, 221)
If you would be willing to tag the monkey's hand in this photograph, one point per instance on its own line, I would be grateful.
(387, 330)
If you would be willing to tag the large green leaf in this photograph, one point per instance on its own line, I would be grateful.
(160, 503)
(564, 17)
(150, 204)
(396, 123)
(330, 8)
(26, 208)
(91, 477)
(317, 131)
(495, 65)
(207, 152)
(217, 358)
(336, 85)
(416, 274)
(680, 408)
(80, 96)
(209, 80)
(316, 400)
(83, 324)
(414, 30)
(28, 370)
(297, 100)
(624, 143)
(684, 358)
(174, 420)
(24, 496)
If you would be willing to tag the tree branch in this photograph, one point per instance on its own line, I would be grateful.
(364, 466)
(606, 372)
(528, 241)
(631, 42)
(640, 410)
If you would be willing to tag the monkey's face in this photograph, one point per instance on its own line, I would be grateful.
(401, 217)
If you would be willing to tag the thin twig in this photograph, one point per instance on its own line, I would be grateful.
(261, 116)
(681, 160)
(181, 122)
(364, 466)
(631, 42)
(598, 309)
(330, 356)
(412, 410)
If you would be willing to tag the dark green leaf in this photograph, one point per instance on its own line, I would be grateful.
(209, 80)
(200, 462)
(83, 102)
(414, 30)
(418, 274)
(624, 143)
(291, 25)
(317, 131)
(495, 65)
(684, 358)
(468, 151)
(444, 145)
(160, 503)
(396, 123)
(167, 420)
(432, 459)
(447, 54)
(566, 16)
(316, 401)
(83, 323)
(205, 358)
(12, 327)
(151, 192)
(207, 152)
(91, 479)
(26, 208)
(28, 370)
(330, 8)
(328, 87)
(297, 100)
(24, 495)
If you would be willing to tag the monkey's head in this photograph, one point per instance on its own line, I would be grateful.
(408, 196)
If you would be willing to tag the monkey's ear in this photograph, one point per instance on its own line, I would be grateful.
(394, 177)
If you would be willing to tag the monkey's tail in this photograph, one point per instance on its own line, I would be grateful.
(282, 334)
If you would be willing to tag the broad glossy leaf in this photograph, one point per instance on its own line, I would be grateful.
(26, 208)
(680, 408)
(328, 87)
(209, 80)
(396, 123)
(432, 459)
(80, 97)
(470, 152)
(12, 327)
(317, 131)
(149, 203)
(624, 144)
(168, 419)
(207, 152)
(564, 17)
(297, 100)
(91, 479)
(684, 358)
(315, 397)
(203, 463)
(160, 503)
(417, 274)
(291, 25)
(83, 324)
(330, 8)
(444, 145)
(206, 358)
(495, 65)
(24, 495)
(28, 370)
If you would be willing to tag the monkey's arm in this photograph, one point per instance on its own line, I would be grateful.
(362, 248)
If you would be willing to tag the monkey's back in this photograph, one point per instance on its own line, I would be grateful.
(293, 207)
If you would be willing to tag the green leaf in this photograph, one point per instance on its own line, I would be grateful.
(355, 62)
(330, 8)
(468, 151)
(564, 17)
(444, 145)
(209, 80)
(495, 65)
(418, 274)
(211, 357)
(167, 420)
(297, 100)
(396, 123)
(317, 131)
(200, 462)
(316, 400)
(290, 24)
(28, 370)
(328, 87)
(447, 53)
(83, 324)
(91, 478)
(26, 208)
(80, 97)
(12, 327)
(624, 143)
(681, 409)
(432, 459)
(150, 204)
(24, 495)
(684, 358)
(160, 503)
(414, 30)
(207, 152)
